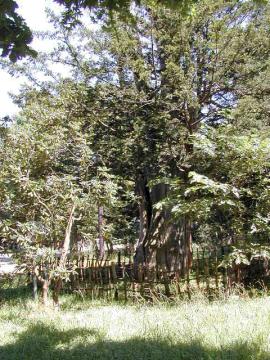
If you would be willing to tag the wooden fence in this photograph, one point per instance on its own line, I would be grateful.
(123, 280)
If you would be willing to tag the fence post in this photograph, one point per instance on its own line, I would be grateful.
(114, 274)
(125, 281)
(188, 285)
(198, 269)
(109, 282)
(116, 297)
(208, 275)
(119, 258)
(101, 292)
(178, 287)
(166, 283)
(216, 269)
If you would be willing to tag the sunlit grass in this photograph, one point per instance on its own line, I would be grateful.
(232, 329)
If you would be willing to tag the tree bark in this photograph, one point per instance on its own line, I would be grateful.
(35, 287)
(62, 262)
(45, 283)
(57, 284)
(100, 232)
(45, 291)
(164, 243)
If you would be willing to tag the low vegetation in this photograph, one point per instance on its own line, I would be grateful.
(235, 329)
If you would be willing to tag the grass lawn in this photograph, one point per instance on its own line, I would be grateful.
(236, 329)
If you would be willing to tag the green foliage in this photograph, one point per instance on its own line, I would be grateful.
(15, 35)
(234, 193)
(47, 166)
(231, 200)
(245, 254)
(123, 8)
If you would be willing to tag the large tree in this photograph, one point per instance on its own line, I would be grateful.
(152, 83)
(167, 76)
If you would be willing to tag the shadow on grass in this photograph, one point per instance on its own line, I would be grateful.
(13, 295)
(42, 342)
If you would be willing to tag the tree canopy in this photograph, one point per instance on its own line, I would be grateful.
(15, 35)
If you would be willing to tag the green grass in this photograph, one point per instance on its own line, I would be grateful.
(235, 329)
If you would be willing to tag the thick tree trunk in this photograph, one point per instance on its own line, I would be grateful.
(57, 285)
(164, 243)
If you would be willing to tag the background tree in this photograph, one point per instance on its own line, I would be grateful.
(51, 186)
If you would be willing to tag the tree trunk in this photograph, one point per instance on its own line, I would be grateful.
(57, 284)
(164, 243)
(145, 212)
(62, 262)
(100, 232)
(35, 287)
(45, 291)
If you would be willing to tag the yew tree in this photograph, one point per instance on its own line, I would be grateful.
(165, 77)
(152, 84)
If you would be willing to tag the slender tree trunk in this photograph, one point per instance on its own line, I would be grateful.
(45, 282)
(100, 232)
(187, 244)
(35, 288)
(145, 212)
(67, 240)
(34, 281)
(62, 263)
